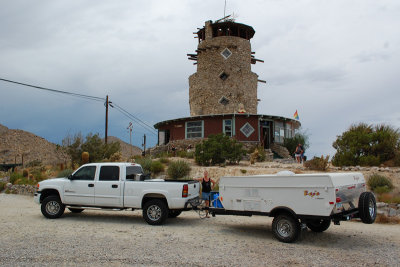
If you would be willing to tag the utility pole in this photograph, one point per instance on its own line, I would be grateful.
(130, 127)
(106, 134)
(144, 145)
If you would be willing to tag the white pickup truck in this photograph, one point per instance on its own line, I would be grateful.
(116, 186)
(296, 201)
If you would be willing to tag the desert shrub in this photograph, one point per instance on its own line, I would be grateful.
(382, 189)
(156, 167)
(38, 175)
(380, 182)
(64, 173)
(164, 160)
(178, 169)
(317, 164)
(218, 149)
(243, 171)
(388, 198)
(2, 185)
(145, 163)
(116, 157)
(25, 173)
(15, 176)
(34, 163)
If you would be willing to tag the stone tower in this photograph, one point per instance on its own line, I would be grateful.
(224, 82)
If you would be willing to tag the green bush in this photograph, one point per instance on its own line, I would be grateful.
(156, 167)
(243, 171)
(217, 150)
(317, 164)
(178, 169)
(367, 145)
(38, 175)
(15, 176)
(380, 183)
(298, 138)
(64, 173)
(145, 163)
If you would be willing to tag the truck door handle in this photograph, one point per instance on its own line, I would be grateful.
(114, 186)
(90, 185)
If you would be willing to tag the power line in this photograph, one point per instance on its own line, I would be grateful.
(94, 98)
(136, 119)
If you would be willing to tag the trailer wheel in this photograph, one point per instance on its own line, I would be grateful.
(318, 225)
(286, 228)
(174, 213)
(367, 207)
(155, 212)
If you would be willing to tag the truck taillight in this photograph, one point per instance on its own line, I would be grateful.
(185, 190)
(37, 187)
(338, 200)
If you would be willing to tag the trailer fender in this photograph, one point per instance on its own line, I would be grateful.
(279, 210)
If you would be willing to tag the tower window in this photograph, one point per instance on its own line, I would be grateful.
(224, 101)
(224, 76)
(226, 53)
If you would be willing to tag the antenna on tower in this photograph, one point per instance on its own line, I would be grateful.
(224, 8)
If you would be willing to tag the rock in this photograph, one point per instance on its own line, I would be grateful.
(392, 212)
(381, 204)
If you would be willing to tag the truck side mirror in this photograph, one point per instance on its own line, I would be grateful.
(70, 177)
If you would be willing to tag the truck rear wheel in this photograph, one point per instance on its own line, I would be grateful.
(367, 207)
(155, 212)
(318, 225)
(286, 228)
(52, 207)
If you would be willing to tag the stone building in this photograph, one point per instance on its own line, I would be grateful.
(223, 92)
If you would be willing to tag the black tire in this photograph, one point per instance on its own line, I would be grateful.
(367, 207)
(155, 212)
(286, 228)
(318, 225)
(74, 210)
(52, 207)
(174, 213)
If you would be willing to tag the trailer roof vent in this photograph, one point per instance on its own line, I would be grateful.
(285, 173)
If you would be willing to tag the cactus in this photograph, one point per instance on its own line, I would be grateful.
(25, 173)
(85, 157)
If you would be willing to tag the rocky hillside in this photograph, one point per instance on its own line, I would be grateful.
(125, 147)
(15, 143)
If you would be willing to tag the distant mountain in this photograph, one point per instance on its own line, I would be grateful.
(125, 147)
(17, 143)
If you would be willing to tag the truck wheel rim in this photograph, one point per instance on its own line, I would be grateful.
(154, 212)
(371, 208)
(52, 207)
(284, 228)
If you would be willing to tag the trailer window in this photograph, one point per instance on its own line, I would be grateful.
(109, 173)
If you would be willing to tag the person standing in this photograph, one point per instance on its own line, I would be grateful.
(298, 153)
(206, 186)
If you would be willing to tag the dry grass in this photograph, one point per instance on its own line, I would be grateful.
(382, 218)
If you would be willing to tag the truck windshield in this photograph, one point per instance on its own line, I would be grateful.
(131, 171)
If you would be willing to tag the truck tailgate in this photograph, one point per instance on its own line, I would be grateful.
(194, 187)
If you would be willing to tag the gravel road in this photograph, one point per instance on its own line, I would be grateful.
(122, 238)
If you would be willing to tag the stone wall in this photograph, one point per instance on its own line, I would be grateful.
(206, 88)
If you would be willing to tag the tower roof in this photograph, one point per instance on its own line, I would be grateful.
(227, 28)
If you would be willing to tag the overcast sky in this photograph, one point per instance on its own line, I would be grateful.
(337, 62)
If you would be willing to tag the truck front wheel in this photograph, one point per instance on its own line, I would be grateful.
(286, 228)
(155, 212)
(318, 225)
(52, 207)
(367, 207)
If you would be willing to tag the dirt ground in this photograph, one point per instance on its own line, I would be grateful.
(122, 238)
